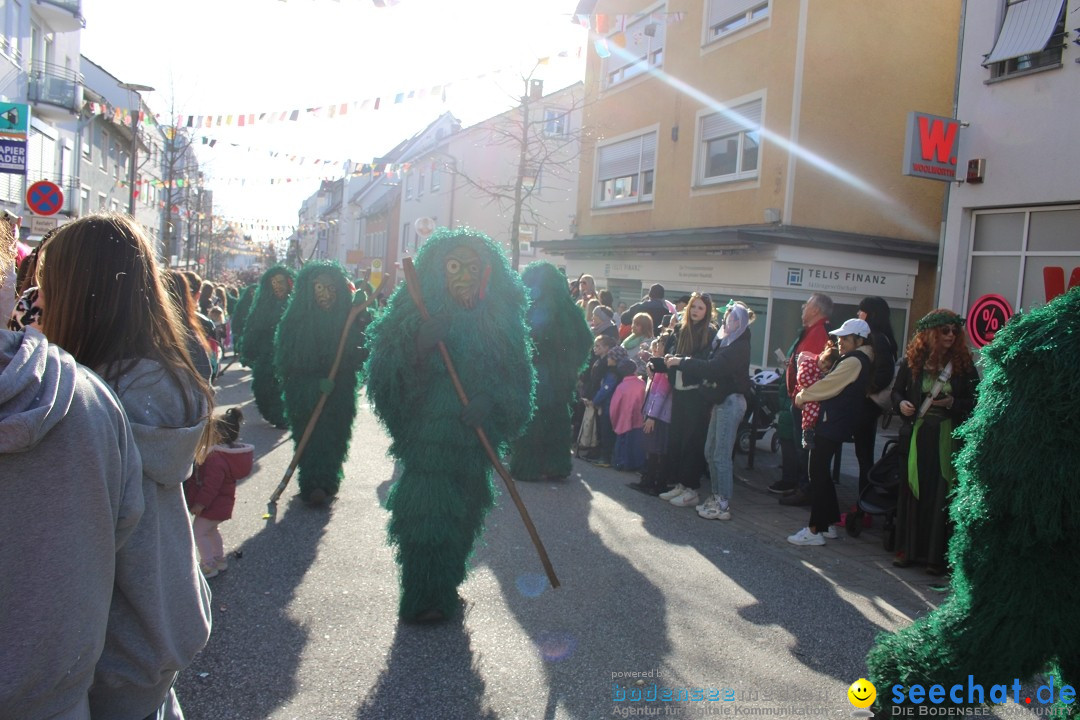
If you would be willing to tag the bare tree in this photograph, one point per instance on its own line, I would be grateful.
(546, 146)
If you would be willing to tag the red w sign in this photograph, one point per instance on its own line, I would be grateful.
(1054, 281)
(931, 147)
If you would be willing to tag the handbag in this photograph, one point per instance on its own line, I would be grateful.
(588, 437)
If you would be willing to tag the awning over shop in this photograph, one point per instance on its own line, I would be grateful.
(1026, 30)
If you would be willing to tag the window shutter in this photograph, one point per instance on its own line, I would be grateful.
(1026, 30)
(619, 159)
(648, 151)
(720, 124)
(721, 10)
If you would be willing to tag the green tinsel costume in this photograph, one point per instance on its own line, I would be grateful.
(1015, 584)
(257, 348)
(304, 349)
(238, 318)
(438, 505)
(562, 343)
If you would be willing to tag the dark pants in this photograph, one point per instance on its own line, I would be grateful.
(824, 508)
(802, 457)
(865, 439)
(606, 433)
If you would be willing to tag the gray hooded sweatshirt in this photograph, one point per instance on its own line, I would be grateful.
(70, 496)
(160, 614)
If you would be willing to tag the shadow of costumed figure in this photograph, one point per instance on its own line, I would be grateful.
(304, 350)
(257, 350)
(1015, 583)
(561, 345)
(438, 505)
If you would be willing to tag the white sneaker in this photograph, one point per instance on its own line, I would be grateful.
(805, 537)
(832, 533)
(688, 498)
(209, 571)
(711, 500)
(673, 492)
(716, 509)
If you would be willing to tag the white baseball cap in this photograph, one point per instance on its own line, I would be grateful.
(854, 326)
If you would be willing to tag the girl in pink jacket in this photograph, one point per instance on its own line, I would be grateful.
(211, 489)
(627, 419)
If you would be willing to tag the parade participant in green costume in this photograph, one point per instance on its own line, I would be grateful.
(438, 504)
(561, 345)
(304, 350)
(1016, 508)
(239, 316)
(257, 348)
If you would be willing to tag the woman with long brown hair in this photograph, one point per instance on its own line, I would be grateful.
(108, 308)
(194, 336)
(934, 392)
(689, 408)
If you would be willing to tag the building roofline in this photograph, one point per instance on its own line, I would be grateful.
(744, 235)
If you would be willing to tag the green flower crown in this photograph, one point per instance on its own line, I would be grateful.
(939, 319)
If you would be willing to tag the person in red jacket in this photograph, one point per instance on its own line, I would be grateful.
(211, 489)
(794, 487)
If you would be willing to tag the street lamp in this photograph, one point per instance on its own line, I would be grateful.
(134, 88)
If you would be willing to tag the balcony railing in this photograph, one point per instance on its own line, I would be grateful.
(55, 85)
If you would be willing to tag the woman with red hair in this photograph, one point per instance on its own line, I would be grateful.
(934, 392)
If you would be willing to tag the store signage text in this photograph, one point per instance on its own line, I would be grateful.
(931, 146)
(842, 280)
(1054, 281)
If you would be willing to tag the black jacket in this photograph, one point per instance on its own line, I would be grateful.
(726, 369)
(657, 309)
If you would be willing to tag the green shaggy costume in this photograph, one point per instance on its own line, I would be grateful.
(562, 342)
(239, 317)
(304, 350)
(257, 347)
(438, 504)
(1016, 581)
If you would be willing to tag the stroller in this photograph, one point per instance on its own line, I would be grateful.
(761, 412)
(881, 495)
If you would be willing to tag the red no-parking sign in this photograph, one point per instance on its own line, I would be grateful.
(44, 198)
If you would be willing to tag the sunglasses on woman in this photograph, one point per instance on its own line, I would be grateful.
(949, 330)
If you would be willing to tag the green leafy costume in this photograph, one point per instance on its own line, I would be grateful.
(1016, 581)
(304, 350)
(562, 343)
(257, 348)
(438, 504)
(238, 318)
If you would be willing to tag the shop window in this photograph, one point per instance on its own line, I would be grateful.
(999, 232)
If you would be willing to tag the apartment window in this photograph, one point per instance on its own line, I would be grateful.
(730, 142)
(526, 238)
(408, 186)
(556, 121)
(1032, 37)
(84, 202)
(625, 170)
(729, 16)
(102, 202)
(406, 236)
(436, 178)
(633, 51)
(420, 186)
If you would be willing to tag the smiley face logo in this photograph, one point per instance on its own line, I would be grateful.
(862, 693)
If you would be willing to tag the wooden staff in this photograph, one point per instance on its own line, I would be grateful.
(353, 314)
(412, 284)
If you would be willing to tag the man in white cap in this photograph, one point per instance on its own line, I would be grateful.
(841, 394)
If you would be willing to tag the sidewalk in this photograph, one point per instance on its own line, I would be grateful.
(860, 564)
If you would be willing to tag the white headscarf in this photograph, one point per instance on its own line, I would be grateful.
(736, 320)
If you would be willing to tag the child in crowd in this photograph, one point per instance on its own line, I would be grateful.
(657, 413)
(626, 418)
(211, 489)
(592, 378)
(601, 400)
(217, 339)
(812, 368)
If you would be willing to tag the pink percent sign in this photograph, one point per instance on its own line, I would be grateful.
(987, 315)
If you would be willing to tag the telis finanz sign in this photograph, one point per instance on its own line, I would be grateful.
(931, 147)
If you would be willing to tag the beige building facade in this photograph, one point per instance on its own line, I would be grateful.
(753, 149)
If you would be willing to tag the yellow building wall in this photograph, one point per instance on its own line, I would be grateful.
(867, 65)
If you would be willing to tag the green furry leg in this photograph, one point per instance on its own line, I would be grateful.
(435, 520)
(544, 449)
(267, 392)
(322, 465)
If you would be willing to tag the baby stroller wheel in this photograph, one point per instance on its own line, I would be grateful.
(774, 445)
(743, 440)
(853, 523)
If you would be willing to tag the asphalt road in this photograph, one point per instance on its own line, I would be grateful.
(305, 619)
